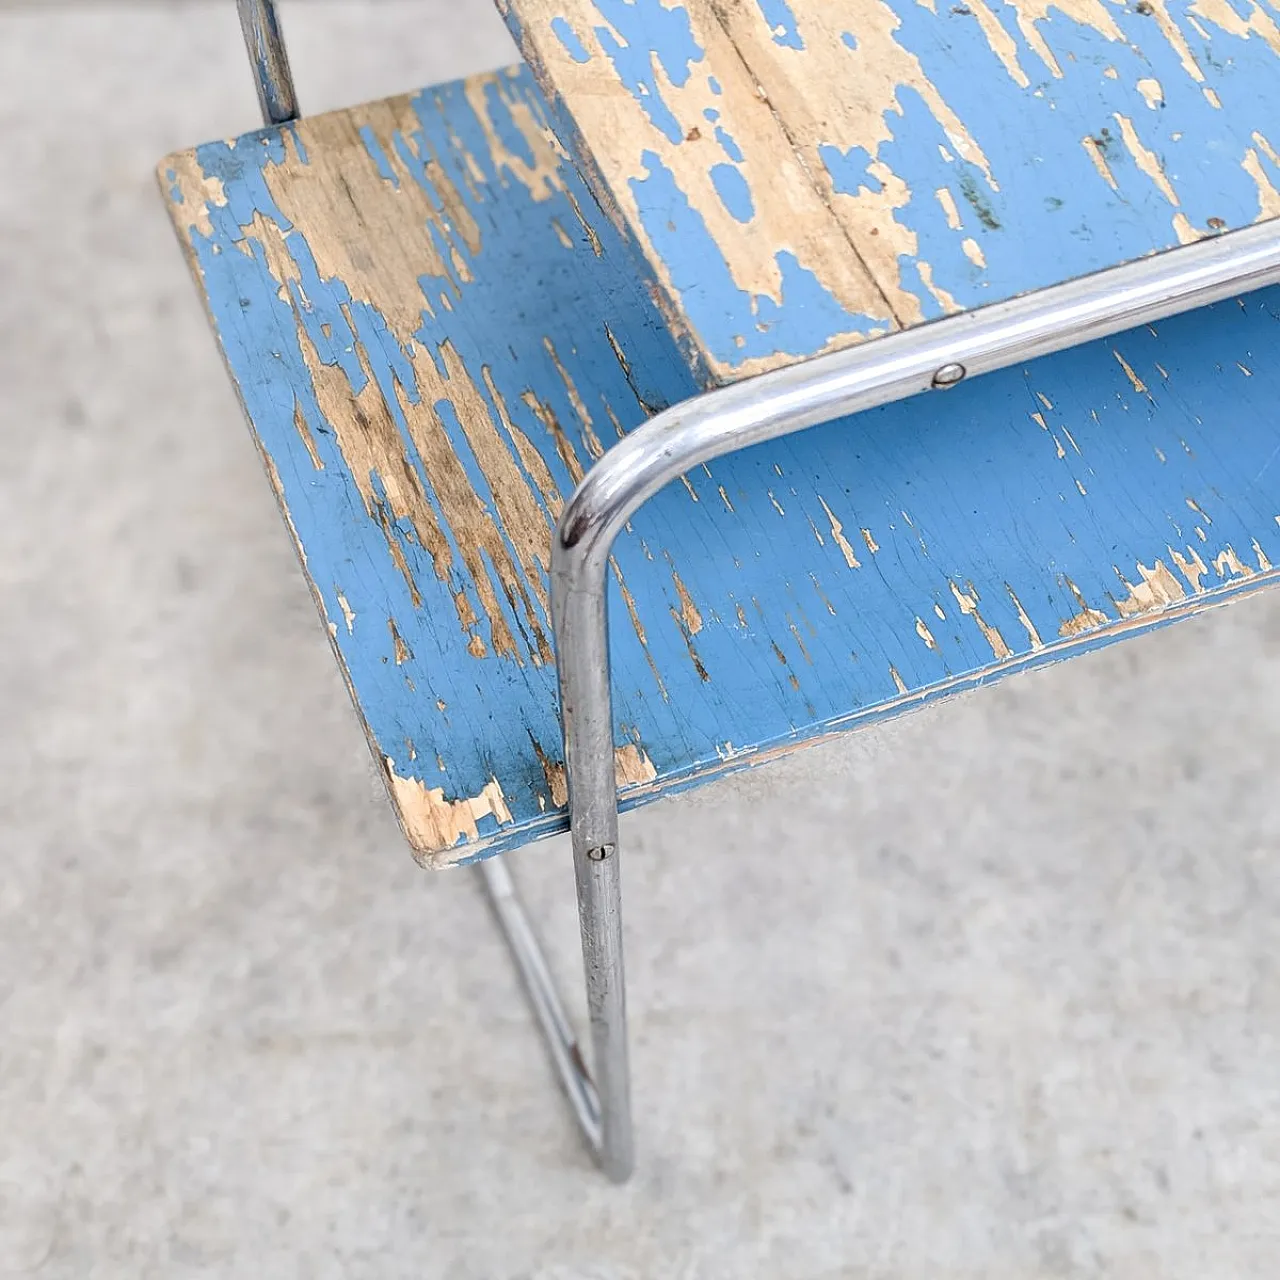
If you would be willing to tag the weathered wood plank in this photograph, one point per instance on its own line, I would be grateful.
(960, 153)
(434, 330)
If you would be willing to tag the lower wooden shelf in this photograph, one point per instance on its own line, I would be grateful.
(434, 331)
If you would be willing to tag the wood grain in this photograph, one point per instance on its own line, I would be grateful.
(759, 151)
(434, 330)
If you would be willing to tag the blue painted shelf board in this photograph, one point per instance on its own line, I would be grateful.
(434, 330)
(799, 175)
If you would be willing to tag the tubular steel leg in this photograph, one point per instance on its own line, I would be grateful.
(265, 43)
(540, 987)
(600, 917)
(608, 1130)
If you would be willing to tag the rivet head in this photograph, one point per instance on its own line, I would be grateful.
(948, 376)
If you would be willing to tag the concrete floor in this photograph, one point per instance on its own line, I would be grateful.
(989, 992)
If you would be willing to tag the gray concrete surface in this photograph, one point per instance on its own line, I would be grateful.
(989, 992)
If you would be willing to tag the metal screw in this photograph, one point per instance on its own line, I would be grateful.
(948, 376)
(601, 853)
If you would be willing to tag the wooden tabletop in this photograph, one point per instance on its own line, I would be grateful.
(800, 175)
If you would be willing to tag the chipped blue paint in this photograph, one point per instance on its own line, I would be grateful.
(782, 22)
(849, 170)
(648, 30)
(569, 38)
(378, 156)
(730, 147)
(733, 323)
(509, 135)
(733, 191)
(1034, 500)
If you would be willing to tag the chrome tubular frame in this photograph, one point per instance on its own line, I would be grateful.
(265, 43)
(544, 998)
(933, 356)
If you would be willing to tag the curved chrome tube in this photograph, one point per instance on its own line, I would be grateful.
(934, 355)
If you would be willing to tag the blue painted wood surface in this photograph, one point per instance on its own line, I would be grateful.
(803, 174)
(434, 330)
